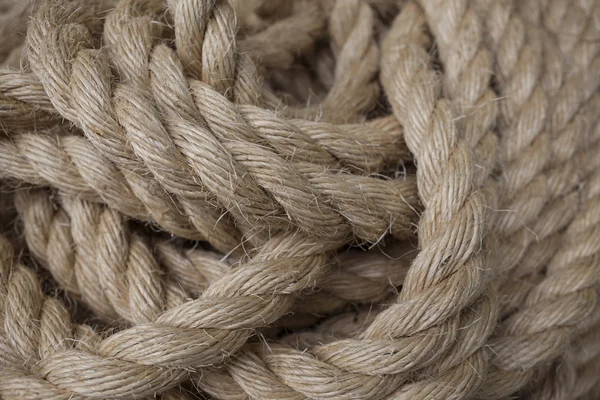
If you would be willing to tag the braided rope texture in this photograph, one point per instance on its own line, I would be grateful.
(300, 199)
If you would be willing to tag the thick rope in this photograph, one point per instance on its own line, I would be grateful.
(377, 362)
(566, 297)
(72, 164)
(158, 111)
(566, 119)
(358, 364)
(84, 243)
(44, 327)
(467, 74)
(93, 255)
(272, 199)
(354, 89)
(300, 278)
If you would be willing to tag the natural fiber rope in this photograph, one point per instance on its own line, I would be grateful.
(548, 184)
(91, 254)
(347, 355)
(585, 357)
(186, 136)
(570, 376)
(273, 193)
(72, 164)
(61, 225)
(563, 299)
(373, 353)
(404, 78)
(85, 243)
(352, 355)
(110, 232)
(240, 334)
(467, 72)
(45, 328)
(353, 90)
(307, 23)
(37, 211)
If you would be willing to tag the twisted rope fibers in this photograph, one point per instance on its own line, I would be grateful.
(278, 134)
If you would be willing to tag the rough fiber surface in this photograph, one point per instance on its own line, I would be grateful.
(312, 199)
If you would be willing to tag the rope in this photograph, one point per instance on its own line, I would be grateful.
(275, 199)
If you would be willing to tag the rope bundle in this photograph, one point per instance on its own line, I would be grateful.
(275, 199)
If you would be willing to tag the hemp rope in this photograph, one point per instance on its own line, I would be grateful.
(550, 220)
(342, 23)
(565, 129)
(564, 290)
(240, 334)
(564, 298)
(68, 239)
(304, 380)
(45, 327)
(272, 47)
(270, 198)
(404, 78)
(300, 24)
(18, 115)
(271, 383)
(354, 89)
(71, 164)
(361, 357)
(108, 218)
(367, 147)
(91, 253)
(582, 85)
(586, 360)
(467, 73)
(570, 376)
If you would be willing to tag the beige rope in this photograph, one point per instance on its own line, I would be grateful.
(274, 194)
(45, 327)
(438, 141)
(361, 365)
(72, 164)
(354, 90)
(84, 243)
(400, 363)
(92, 254)
(467, 73)
(536, 213)
(238, 335)
(259, 128)
(556, 305)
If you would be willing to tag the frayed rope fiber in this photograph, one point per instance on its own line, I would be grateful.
(300, 199)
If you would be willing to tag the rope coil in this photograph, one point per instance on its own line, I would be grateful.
(272, 199)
